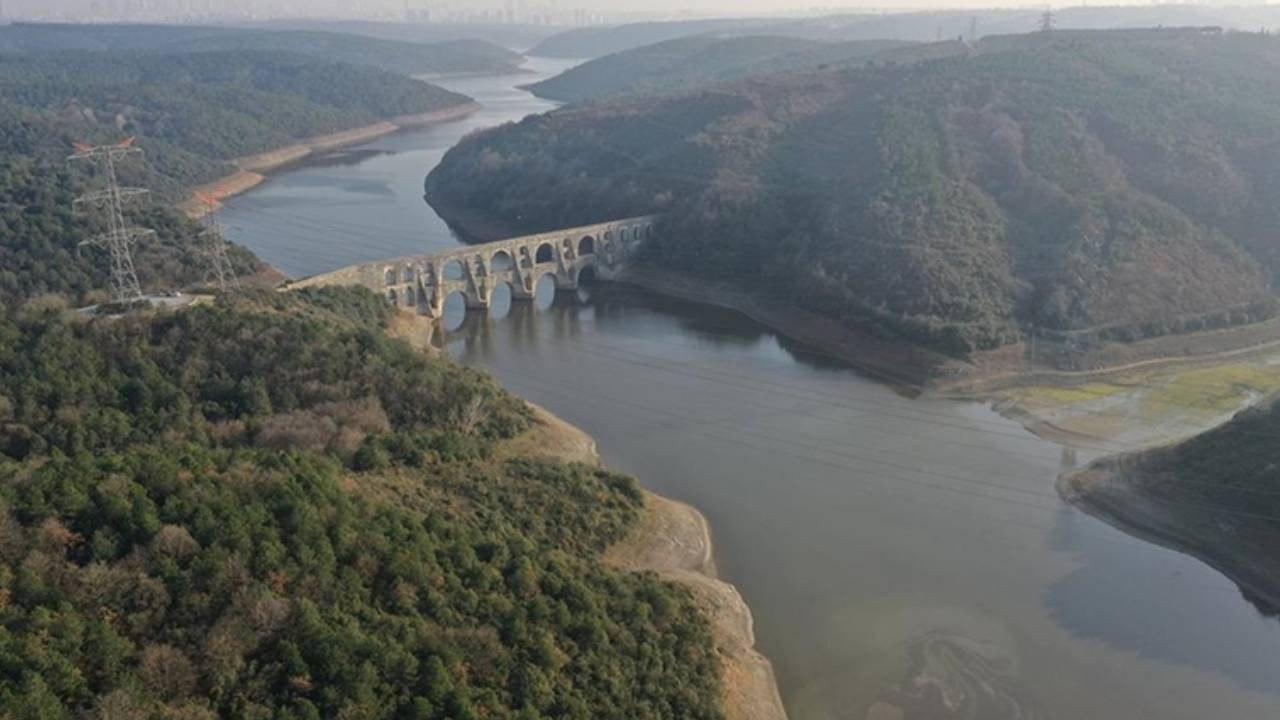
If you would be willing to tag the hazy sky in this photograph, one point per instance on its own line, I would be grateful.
(612, 9)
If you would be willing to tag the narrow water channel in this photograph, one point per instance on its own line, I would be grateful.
(899, 555)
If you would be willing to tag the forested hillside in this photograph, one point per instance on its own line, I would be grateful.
(689, 62)
(590, 42)
(919, 26)
(40, 232)
(265, 507)
(219, 105)
(1090, 184)
(192, 114)
(407, 58)
(515, 36)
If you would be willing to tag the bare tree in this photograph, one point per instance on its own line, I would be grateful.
(471, 415)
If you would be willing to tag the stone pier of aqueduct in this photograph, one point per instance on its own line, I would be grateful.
(422, 282)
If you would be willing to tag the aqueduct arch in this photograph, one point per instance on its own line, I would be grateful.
(475, 272)
(501, 260)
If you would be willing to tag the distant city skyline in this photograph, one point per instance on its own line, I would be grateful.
(557, 12)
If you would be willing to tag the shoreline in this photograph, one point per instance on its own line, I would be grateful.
(905, 368)
(909, 369)
(471, 227)
(1120, 502)
(992, 379)
(1108, 491)
(433, 77)
(253, 170)
(913, 370)
(674, 541)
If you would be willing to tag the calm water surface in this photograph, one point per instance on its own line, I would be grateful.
(898, 554)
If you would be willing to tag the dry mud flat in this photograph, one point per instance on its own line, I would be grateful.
(673, 540)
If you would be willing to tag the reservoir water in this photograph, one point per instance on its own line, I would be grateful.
(903, 557)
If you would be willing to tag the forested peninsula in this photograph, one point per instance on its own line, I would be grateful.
(267, 507)
(1079, 187)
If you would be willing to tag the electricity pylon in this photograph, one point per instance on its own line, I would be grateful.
(214, 248)
(1047, 20)
(119, 236)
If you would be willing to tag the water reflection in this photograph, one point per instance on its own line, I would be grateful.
(1108, 597)
(519, 324)
(500, 301)
(1172, 611)
(903, 557)
(610, 306)
(351, 157)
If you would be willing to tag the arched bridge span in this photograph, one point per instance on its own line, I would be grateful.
(422, 282)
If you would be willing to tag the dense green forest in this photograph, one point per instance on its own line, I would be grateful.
(688, 62)
(192, 113)
(266, 508)
(1108, 184)
(408, 58)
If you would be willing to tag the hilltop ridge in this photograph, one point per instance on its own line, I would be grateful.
(442, 57)
(1085, 186)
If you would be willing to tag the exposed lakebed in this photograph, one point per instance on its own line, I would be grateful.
(898, 554)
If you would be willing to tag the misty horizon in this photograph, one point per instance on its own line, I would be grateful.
(534, 12)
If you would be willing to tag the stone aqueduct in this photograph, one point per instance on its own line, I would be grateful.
(422, 282)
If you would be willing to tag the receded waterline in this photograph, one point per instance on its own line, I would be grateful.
(858, 570)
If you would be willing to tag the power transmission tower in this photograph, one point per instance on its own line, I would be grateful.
(1046, 20)
(214, 248)
(119, 236)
